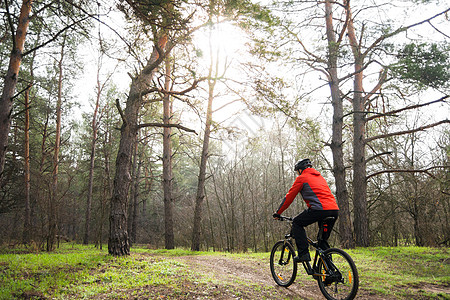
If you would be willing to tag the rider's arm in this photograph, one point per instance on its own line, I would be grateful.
(290, 196)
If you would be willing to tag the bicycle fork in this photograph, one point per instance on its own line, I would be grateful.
(313, 270)
(283, 253)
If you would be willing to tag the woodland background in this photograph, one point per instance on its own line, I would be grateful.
(176, 123)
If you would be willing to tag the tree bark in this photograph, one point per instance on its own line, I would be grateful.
(196, 232)
(94, 126)
(167, 163)
(118, 242)
(27, 215)
(345, 223)
(361, 223)
(11, 78)
(27, 230)
(107, 182)
(52, 222)
(132, 221)
(202, 172)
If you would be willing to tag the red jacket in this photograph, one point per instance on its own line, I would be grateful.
(314, 189)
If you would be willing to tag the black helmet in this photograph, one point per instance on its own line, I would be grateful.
(303, 164)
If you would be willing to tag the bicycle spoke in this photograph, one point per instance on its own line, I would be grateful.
(340, 279)
(282, 265)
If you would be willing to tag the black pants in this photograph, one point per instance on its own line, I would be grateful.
(306, 218)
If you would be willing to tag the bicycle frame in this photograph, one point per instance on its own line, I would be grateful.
(310, 270)
(334, 270)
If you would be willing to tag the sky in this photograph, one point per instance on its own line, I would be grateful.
(230, 42)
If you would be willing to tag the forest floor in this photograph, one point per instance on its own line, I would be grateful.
(84, 272)
(246, 278)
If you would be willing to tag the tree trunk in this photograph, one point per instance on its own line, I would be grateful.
(94, 126)
(359, 159)
(359, 173)
(42, 192)
(118, 243)
(27, 230)
(11, 78)
(211, 227)
(132, 219)
(135, 203)
(196, 234)
(167, 164)
(345, 223)
(27, 215)
(52, 222)
(107, 184)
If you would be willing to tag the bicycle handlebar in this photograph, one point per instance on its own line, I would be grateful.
(284, 218)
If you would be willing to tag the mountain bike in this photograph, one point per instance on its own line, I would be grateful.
(333, 268)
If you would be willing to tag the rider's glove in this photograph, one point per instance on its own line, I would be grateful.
(276, 216)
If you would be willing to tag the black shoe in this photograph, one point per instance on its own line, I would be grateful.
(303, 257)
(329, 280)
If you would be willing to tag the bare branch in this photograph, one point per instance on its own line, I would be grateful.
(226, 104)
(317, 58)
(368, 140)
(399, 30)
(356, 72)
(55, 36)
(344, 28)
(183, 92)
(166, 125)
(22, 91)
(442, 99)
(378, 155)
(434, 27)
(426, 171)
(375, 89)
(11, 25)
(121, 112)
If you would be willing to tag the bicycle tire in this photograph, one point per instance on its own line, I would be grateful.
(342, 285)
(282, 264)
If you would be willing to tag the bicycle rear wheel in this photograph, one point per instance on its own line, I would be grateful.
(282, 265)
(340, 278)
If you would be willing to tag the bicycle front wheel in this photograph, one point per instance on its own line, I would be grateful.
(339, 278)
(282, 264)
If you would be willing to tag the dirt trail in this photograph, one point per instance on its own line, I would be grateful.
(231, 270)
(252, 279)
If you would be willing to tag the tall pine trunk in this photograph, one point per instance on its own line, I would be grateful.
(11, 78)
(107, 183)
(132, 214)
(118, 242)
(27, 228)
(94, 126)
(196, 232)
(27, 214)
(345, 223)
(167, 164)
(361, 224)
(135, 203)
(53, 220)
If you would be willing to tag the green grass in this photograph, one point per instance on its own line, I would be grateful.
(42, 272)
(84, 272)
(404, 271)
(175, 252)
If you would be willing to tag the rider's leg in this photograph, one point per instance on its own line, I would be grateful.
(304, 219)
(325, 235)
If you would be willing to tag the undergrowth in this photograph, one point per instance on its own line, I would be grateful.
(84, 272)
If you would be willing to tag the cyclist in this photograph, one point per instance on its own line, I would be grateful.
(319, 200)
